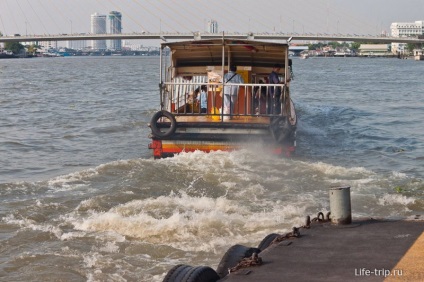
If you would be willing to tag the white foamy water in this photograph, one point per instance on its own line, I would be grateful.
(82, 199)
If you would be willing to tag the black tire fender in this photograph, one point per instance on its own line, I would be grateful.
(233, 256)
(292, 116)
(267, 241)
(156, 131)
(279, 128)
(201, 274)
(176, 273)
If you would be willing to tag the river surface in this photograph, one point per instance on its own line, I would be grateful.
(82, 199)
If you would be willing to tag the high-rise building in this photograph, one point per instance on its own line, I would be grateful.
(115, 27)
(98, 26)
(212, 26)
(405, 30)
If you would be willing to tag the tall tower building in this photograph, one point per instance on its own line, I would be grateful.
(98, 26)
(212, 26)
(115, 27)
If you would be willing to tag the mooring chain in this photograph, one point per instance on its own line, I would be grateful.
(319, 218)
(294, 234)
(254, 260)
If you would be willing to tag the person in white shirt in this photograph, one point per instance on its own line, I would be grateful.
(231, 91)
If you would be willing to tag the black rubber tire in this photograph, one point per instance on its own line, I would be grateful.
(233, 256)
(267, 241)
(280, 129)
(201, 274)
(156, 131)
(292, 106)
(176, 273)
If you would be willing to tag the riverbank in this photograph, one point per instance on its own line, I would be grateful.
(55, 54)
(7, 56)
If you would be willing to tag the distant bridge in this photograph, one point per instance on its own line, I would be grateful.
(198, 35)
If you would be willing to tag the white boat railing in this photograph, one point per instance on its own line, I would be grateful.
(253, 99)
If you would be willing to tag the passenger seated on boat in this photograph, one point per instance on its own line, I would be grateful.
(202, 99)
(191, 105)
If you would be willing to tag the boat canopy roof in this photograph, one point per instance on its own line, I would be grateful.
(253, 53)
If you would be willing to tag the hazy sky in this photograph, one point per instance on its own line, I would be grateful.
(300, 16)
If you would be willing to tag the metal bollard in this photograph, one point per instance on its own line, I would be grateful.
(340, 208)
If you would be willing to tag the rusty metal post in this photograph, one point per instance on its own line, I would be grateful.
(340, 207)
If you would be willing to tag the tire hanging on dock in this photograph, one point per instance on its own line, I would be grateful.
(156, 129)
(186, 273)
(266, 242)
(233, 256)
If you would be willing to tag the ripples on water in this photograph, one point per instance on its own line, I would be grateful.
(82, 200)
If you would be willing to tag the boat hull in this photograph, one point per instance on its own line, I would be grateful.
(222, 136)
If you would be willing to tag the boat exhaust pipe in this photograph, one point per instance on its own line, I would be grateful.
(340, 207)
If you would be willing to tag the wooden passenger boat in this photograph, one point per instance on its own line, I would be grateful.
(259, 116)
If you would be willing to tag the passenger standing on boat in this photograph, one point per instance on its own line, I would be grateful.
(274, 106)
(231, 91)
(203, 99)
(274, 98)
(259, 101)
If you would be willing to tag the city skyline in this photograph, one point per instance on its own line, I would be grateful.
(326, 16)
